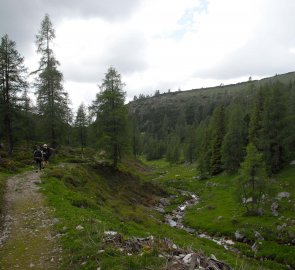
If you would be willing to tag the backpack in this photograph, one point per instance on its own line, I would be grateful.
(37, 155)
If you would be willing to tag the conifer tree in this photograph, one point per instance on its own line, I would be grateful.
(218, 130)
(173, 150)
(252, 179)
(204, 154)
(12, 82)
(234, 143)
(136, 137)
(27, 123)
(52, 100)
(273, 126)
(81, 123)
(112, 116)
(256, 118)
(190, 143)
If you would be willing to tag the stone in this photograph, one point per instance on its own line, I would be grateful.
(229, 242)
(292, 162)
(79, 228)
(187, 259)
(220, 217)
(254, 247)
(281, 227)
(258, 235)
(239, 237)
(274, 209)
(283, 194)
(164, 201)
(247, 200)
(182, 207)
(112, 233)
(260, 211)
(171, 223)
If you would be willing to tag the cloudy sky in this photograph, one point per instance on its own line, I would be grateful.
(157, 44)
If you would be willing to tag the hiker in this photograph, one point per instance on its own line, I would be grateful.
(46, 154)
(38, 157)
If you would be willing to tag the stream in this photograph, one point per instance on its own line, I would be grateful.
(175, 219)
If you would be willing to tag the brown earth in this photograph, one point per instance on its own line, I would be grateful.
(27, 236)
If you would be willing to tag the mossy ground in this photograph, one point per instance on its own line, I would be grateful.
(219, 212)
(100, 199)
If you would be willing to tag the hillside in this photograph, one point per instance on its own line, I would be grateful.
(218, 94)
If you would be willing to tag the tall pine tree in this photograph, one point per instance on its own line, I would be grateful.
(81, 123)
(12, 82)
(273, 126)
(234, 143)
(252, 180)
(52, 100)
(218, 132)
(112, 116)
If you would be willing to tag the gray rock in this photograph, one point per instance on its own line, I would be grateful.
(164, 201)
(260, 211)
(171, 223)
(247, 200)
(79, 228)
(258, 235)
(281, 227)
(274, 209)
(292, 162)
(239, 237)
(187, 259)
(283, 194)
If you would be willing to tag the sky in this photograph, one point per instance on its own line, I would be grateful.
(156, 44)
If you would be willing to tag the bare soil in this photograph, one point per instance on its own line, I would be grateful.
(27, 236)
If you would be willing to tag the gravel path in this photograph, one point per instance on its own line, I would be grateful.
(27, 237)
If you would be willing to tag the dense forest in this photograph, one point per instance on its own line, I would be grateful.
(214, 126)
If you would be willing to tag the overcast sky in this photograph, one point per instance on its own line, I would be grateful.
(157, 44)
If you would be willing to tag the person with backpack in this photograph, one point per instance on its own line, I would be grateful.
(46, 154)
(38, 157)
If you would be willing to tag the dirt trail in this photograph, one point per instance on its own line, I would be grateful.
(27, 237)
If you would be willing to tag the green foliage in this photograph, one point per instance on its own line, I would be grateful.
(173, 150)
(273, 126)
(112, 116)
(12, 83)
(52, 100)
(218, 130)
(252, 180)
(234, 141)
(218, 213)
(81, 123)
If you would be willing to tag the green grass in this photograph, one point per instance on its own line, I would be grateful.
(219, 214)
(99, 199)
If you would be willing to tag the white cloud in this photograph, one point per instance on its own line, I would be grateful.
(162, 44)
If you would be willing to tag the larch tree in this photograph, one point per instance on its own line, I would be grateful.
(81, 123)
(235, 140)
(52, 100)
(252, 180)
(112, 116)
(273, 125)
(218, 132)
(12, 83)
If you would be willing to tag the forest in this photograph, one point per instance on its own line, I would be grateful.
(240, 137)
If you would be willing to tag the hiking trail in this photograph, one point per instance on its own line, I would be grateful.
(27, 236)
